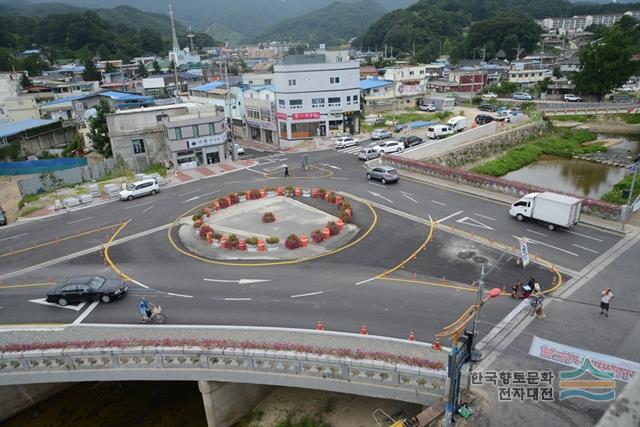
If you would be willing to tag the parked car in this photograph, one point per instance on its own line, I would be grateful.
(86, 289)
(514, 111)
(3, 217)
(502, 115)
(410, 141)
(572, 98)
(522, 96)
(140, 188)
(487, 107)
(374, 119)
(368, 153)
(239, 149)
(439, 131)
(383, 174)
(489, 95)
(380, 134)
(346, 141)
(483, 119)
(389, 147)
(427, 107)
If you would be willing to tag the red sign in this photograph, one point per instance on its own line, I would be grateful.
(282, 116)
(305, 116)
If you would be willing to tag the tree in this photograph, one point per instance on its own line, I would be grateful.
(25, 81)
(605, 64)
(142, 70)
(172, 66)
(98, 130)
(557, 73)
(76, 143)
(109, 68)
(90, 73)
(156, 67)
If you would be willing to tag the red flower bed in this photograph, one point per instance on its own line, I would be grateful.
(222, 201)
(333, 228)
(317, 236)
(292, 242)
(232, 241)
(204, 230)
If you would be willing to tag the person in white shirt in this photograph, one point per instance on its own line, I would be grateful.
(605, 300)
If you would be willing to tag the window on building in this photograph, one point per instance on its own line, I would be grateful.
(138, 145)
(212, 131)
(348, 100)
(203, 130)
(177, 133)
(295, 103)
(334, 102)
(281, 102)
(317, 102)
(292, 82)
(251, 82)
(265, 114)
(411, 73)
(187, 131)
(252, 113)
(194, 130)
(266, 96)
(334, 80)
(355, 98)
(267, 81)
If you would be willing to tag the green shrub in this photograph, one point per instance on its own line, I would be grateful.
(253, 240)
(232, 241)
(615, 194)
(632, 119)
(27, 199)
(156, 168)
(273, 240)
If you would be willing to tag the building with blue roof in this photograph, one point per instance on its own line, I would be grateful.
(117, 99)
(60, 109)
(35, 135)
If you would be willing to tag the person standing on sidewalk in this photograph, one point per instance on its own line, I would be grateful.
(605, 299)
(286, 171)
(536, 302)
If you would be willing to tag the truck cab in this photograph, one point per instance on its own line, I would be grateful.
(523, 207)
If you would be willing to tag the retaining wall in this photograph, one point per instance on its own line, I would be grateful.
(517, 189)
(436, 147)
(16, 398)
(72, 176)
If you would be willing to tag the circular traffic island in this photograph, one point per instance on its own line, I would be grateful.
(269, 225)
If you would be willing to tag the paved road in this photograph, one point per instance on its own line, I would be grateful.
(420, 297)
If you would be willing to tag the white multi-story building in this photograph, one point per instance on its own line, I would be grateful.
(316, 97)
(580, 22)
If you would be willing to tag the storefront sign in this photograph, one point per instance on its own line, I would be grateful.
(282, 116)
(204, 141)
(305, 116)
(261, 124)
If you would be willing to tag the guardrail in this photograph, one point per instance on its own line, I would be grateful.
(343, 374)
(580, 108)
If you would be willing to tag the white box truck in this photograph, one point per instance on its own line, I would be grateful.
(458, 123)
(551, 209)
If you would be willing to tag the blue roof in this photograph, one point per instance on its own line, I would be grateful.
(208, 86)
(121, 96)
(373, 83)
(14, 128)
(272, 88)
(65, 99)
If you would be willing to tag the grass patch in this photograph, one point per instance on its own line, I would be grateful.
(582, 118)
(403, 117)
(562, 143)
(28, 199)
(615, 195)
(156, 168)
(29, 210)
(631, 119)
(116, 173)
(251, 420)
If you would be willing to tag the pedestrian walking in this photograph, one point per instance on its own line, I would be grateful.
(605, 299)
(286, 171)
(535, 300)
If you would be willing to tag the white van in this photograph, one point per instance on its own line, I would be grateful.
(140, 188)
(458, 123)
(439, 131)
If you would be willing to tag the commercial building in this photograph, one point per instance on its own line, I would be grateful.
(260, 114)
(180, 135)
(316, 97)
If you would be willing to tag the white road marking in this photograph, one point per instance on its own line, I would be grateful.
(237, 299)
(86, 313)
(307, 295)
(485, 217)
(410, 198)
(138, 205)
(330, 166)
(382, 197)
(138, 283)
(338, 177)
(584, 235)
(365, 281)
(239, 282)
(189, 192)
(211, 192)
(43, 301)
(191, 199)
(258, 172)
(474, 223)
(147, 209)
(586, 249)
(448, 217)
(19, 235)
(404, 192)
(232, 182)
(80, 220)
(439, 203)
(535, 242)
(377, 185)
(179, 295)
(274, 168)
(536, 232)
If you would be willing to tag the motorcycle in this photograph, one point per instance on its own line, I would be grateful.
(156, 316)
(520, 291)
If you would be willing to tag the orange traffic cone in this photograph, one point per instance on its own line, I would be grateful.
(319, 326)
(363, 330)
(436, 345)
(412, 336)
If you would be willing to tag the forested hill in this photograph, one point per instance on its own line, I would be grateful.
(335, 24)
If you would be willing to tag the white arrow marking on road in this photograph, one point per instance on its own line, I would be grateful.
(68, 307)
(410, 198)
(14, 237)
(239, 282)
(330, 166)
(382, 197)
(86, 313)
(448, 217)
(473, 222)
(179, 295)
(485, 217)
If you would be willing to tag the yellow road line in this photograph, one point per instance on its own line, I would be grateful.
(107, 258)
(414, 254)
(73, 236)
(437, 284)
(271, 263)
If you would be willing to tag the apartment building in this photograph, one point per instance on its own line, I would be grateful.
(316, 97)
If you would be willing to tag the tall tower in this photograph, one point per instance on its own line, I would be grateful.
(191, 36)
(176, 46)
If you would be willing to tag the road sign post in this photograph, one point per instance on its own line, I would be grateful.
(524, 251)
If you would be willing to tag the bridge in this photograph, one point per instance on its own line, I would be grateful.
(586, 108)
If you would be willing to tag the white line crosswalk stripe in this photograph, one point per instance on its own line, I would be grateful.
(351, 150)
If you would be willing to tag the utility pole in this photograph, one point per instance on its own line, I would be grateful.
(627, 214)
(393, 101)
(475, 326)
(234, 151)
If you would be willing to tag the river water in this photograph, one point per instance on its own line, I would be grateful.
(575, 176)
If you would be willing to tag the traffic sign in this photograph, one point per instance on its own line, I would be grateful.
(524, 251)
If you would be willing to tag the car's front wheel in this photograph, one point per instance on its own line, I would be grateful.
(154, 192)
(62, 301)
(383, 181)
(105, 299)
(130, 198)
(369, 176)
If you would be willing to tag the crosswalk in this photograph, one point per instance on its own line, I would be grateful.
(351, 150)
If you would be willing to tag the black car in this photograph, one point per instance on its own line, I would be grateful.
(488, 107)
(483, 119)
(86, 288)
(410, 141)
(3, 217)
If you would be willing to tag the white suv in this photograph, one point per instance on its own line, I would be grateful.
(572, 98)
(346, 141)
(140, 188)
(389, 147)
